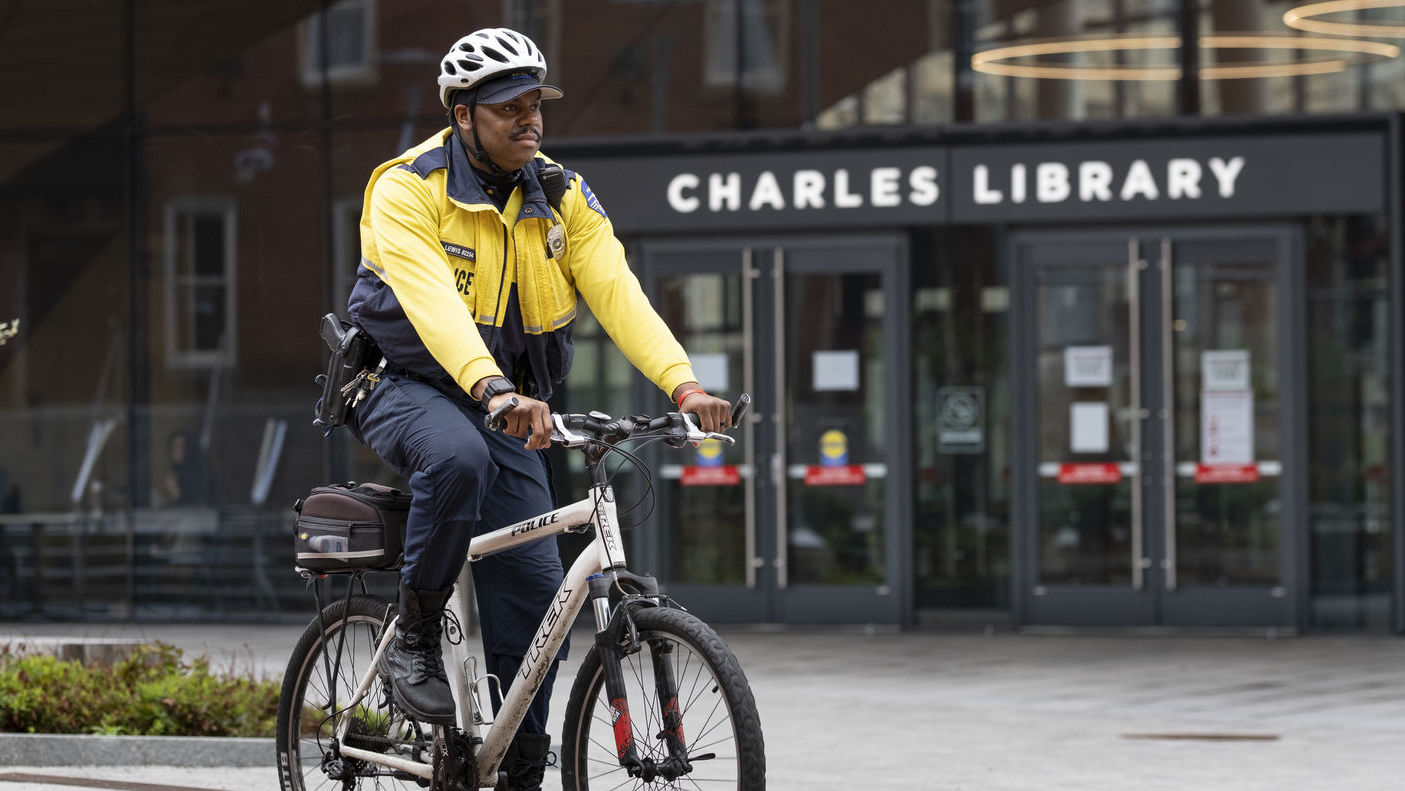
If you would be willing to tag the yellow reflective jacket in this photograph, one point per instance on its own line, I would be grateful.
(438, 260)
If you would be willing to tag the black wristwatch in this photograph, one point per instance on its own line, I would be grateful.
(496, 387)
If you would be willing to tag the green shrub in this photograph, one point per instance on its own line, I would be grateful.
(152, 691)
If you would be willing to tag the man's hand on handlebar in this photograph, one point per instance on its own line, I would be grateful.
(714, 414)
(529, 415)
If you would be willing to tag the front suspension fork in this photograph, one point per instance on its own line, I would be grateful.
(616, 638)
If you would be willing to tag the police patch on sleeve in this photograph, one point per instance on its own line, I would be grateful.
(592, 201)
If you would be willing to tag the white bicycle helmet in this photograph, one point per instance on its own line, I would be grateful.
(488, 53)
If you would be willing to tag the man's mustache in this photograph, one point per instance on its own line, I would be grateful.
(535, 135)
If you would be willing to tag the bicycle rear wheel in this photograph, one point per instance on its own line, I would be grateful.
(720, 728)
(326, 667)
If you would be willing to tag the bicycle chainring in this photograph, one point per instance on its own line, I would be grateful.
(455, 767)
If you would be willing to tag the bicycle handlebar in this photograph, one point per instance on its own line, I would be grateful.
(575, 430)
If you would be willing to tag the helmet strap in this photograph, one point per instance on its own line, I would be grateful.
(475, 149)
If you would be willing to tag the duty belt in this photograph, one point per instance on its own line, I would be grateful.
(444, 383)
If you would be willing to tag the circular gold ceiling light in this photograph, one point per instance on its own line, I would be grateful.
(1344, 52)
(1303, 17)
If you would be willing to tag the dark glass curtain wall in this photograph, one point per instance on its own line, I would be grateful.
(180, 185)
(167, 252)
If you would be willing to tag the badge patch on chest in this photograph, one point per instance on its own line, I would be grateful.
(556, 241)
(459, 251)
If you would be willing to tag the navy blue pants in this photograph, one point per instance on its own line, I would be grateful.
(466, 480)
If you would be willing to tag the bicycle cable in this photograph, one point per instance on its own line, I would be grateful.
(649, 496)
(630, 458)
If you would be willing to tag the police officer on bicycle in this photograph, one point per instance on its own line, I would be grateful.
(474, 250)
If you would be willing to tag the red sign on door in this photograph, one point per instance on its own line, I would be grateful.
(1089, 473)
(842, 475)
(1226, 473)
(726, 475)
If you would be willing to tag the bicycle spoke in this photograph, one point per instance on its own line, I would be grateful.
(645, 705)
(347, 645)
(671, 668)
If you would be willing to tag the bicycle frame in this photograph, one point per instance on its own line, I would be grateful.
(606, 552)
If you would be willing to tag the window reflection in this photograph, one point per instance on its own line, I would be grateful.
(1349, 431)
(961, 530)
(200, 261)
(937, 84)
(835, 363)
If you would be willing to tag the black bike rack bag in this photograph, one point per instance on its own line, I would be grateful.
(350, 526)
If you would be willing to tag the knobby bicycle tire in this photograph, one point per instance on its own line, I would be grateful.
(718, 711)
(304, 723)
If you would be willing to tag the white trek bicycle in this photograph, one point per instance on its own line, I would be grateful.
(659, 701)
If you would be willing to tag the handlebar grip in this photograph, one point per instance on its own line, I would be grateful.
(740, 408)
(497, 419)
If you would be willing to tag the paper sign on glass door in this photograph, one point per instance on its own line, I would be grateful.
(1088, 427)
(836, 370)
(711, 371)
(1088, 366)
(1225, 369)
(1227, 427)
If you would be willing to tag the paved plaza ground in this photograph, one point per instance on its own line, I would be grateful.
(849, 709)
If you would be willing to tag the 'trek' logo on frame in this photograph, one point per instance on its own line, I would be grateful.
(553, 614)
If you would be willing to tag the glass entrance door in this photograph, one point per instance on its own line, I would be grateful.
(1159, 424)
(798, 522)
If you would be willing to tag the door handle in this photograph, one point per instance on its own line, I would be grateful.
(1168, 422)
(748, 433)
(779, 418)
(1135, 264)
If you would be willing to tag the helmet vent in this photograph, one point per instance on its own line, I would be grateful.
(507, 45)
(495, 55)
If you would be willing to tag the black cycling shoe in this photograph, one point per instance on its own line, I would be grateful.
(413, 660)
(526, 760)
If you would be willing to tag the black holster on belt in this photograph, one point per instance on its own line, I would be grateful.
(353, 354)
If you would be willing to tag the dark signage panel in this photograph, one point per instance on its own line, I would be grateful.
(1169, 179)
(830, 189)
(1177, 178)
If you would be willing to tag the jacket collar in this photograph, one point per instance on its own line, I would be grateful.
(464, 187)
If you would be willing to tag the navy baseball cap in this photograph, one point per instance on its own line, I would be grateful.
(510, 86)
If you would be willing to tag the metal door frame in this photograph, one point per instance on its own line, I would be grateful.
(817, 603)
(1191, 609)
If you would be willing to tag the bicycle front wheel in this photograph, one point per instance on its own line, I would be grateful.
(718, 726)
(324, 671)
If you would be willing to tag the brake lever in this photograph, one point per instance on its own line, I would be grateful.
(563, 435)
(692, 432)
(696, 434)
